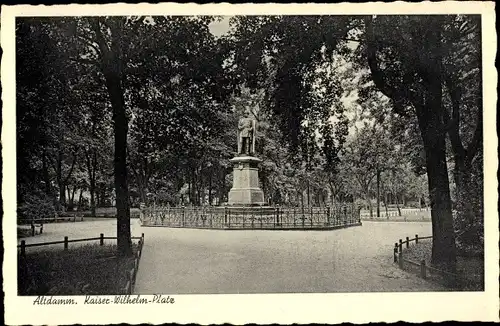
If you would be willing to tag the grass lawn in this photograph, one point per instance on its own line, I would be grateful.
(469, 268)
(87, 269)
(405, 217)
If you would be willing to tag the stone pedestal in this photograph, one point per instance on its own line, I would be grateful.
(246, 190)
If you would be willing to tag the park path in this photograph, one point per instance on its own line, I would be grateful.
(357, 259)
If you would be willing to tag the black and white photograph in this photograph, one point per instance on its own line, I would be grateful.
(163, 155)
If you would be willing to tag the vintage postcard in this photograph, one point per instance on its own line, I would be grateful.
(250, 163)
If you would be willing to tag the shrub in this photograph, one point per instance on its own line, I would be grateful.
(37, 205)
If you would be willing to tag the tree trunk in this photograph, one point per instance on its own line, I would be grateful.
(45, 174)
(120, 166)
(71, 198)
(378, 193)
(397, 204)
(80, 199)
(332, 195)
(431, 125)
(194, 186)
(386, 208)
(308, 194)
(111, 65)
(201, 190)
(369, 202)
(120, 126)
(142, 194)
(73, 194)
(91, 171)
(62, 196)
(60, 183)
(210, 189)
(222, 187)
(92, 199)
(443, 244)
(98, 199)
(68, 196)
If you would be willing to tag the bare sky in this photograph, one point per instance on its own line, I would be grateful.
(220, 28)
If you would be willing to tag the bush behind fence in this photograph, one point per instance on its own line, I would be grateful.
(451, 280)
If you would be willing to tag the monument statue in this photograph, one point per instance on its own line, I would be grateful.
(246, 190)
(246, 136)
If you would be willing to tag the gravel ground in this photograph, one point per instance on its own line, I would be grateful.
(357, 259)
(182, 261)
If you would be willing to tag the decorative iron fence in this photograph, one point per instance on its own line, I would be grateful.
(228, 217)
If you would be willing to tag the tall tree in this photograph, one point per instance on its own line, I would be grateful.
(405, 56)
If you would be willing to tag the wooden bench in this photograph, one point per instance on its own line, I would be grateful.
(68, 216)
(36, 228)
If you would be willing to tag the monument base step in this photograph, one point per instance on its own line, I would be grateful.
(246, 197)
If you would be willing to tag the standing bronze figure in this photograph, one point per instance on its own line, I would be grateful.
(246, 135)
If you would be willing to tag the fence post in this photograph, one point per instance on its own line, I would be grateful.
(396, 252)
(183, 215)
(277, 220)
(23, 248)
(225, 215)
(312, 215)
(423, 269)
(416, 238)
(407, 242)
(101, 241)
(400, 245)
(328, 215)
(66, 243)
(400, 259)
